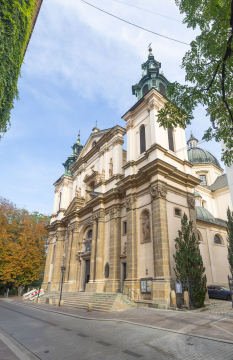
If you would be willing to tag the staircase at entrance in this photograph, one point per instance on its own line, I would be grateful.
(108, 302)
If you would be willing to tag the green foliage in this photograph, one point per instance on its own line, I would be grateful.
(208, 66)
(230, 239)
(15, 27)
(189, 262)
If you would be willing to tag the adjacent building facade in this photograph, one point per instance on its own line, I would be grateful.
(116, 213)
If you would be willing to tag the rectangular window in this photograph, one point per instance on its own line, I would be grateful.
(178, 212)
(124, 227)
(203, 180)
(170, 139)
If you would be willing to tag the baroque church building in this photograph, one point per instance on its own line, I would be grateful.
(116, 213)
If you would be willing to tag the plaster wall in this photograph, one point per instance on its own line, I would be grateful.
(223, 200)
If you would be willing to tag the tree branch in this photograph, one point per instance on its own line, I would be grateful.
(228, 54)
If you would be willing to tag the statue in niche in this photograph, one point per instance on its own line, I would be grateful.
(146, 227)
(78, 192)
(111, 168)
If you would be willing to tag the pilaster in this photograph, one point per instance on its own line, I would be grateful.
(161, 282)
(48, 262)
(100, 246)
(132, 280)
(113, 282)
(58, 259)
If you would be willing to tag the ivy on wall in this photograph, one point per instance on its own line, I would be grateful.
(15, 28)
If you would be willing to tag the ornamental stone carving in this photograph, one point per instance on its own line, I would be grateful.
(191, 202)
(73, 227)
(130, 124)
(124, 252)
(112, 214)
(153, 105)
(100, 216)
(129, 203)
(158, 191)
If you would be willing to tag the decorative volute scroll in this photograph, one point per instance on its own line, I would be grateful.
(158, 191)
(191, 202)
(130, 124)
(153, 105)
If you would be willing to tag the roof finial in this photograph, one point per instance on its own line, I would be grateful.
(78, 137)
(149, 48)
(191, 133)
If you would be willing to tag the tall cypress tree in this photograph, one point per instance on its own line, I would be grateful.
(230, 238)
(189, 263)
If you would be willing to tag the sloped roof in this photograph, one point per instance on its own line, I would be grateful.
(203, 214)
(219, 183)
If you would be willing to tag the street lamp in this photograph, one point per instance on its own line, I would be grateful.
(63, 269)
(40, 282)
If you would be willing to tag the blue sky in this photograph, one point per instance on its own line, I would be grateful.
(79, 68)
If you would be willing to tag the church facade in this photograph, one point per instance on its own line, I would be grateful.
(116, 213)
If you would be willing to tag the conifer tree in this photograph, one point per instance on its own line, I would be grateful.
(189, 263)
(230, 239)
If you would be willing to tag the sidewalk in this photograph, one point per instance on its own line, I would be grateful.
(200, 324)
(6, 353)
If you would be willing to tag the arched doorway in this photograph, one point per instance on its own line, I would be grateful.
(85, 259)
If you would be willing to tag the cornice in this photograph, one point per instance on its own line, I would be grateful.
(160, 167)
(153, 147)
(152, 98)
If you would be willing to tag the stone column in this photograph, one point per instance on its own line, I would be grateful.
(192, 212)
(100, 255)
(161, 282)
(58, 257)
(113, 282)
(132, 279)
(48, 262)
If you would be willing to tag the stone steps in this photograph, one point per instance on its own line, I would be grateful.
(107, 302)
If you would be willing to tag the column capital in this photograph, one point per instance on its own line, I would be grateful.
(129, 202)
(158, 191)
(100, 216)
(73, 227)
(191, 201)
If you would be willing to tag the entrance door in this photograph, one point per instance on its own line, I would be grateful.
(87, 274)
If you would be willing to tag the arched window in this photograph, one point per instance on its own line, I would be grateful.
(142, 139)
(199, 237)
(162, 89)
(145, 90)
(217, 239)
(170, 139)
(89, 234)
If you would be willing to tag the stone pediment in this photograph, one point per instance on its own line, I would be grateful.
(95, 176)
(76, 204)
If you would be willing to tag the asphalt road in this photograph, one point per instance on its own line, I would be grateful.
(32, 333)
